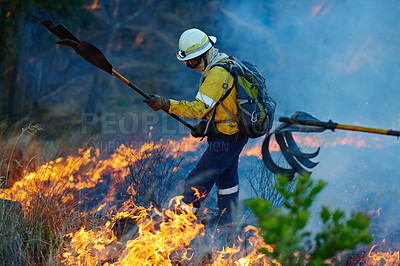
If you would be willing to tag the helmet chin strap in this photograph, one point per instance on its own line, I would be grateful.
(205, 61)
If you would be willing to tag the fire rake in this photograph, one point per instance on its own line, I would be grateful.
(303, 122)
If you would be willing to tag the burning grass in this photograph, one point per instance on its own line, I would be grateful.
(63, 216)
(93, 209)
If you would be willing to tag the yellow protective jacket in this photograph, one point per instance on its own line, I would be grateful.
(210, 92)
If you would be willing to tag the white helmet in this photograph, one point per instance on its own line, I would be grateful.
(192, 43)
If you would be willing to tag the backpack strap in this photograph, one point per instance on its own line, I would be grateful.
(229, 113)
(227, 66)
(225, 93)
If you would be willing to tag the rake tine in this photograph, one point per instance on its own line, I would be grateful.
(295, 150)
(306, 162)
(289, 158)
(271, 164)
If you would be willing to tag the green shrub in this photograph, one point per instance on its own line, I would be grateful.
(284, 229)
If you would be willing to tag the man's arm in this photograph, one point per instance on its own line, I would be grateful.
(195, 109)
(208, 95)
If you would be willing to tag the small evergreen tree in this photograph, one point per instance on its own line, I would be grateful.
(284, 229)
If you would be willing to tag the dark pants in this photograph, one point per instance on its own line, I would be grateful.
(218, 165)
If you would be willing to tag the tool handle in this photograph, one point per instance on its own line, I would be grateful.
(331, 125)
(369, 130)
(145, 95)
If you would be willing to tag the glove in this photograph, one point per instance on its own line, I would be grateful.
(157, 102)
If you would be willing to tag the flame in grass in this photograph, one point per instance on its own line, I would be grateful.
(164, 243)
(163, 238)
(88, 247)
(237, 255)
(376, 258)
(67, 176)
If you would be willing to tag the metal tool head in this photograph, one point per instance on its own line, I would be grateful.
(94, 56)
(53, 25)
(298, 160)
(270, 164)
(300, 115)
(88, 51)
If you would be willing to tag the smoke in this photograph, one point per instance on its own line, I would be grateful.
(336, 60)
(321, 56)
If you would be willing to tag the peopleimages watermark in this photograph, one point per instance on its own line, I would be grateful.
(131, 123)
(176, 147)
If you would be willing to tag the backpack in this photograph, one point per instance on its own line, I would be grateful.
(255, 107)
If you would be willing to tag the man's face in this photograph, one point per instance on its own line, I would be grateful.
(200, 68)
(196, 63)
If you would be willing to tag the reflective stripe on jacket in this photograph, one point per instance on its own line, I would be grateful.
(211, 90)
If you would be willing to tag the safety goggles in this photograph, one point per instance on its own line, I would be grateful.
(193, 63)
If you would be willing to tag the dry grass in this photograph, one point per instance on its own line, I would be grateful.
(262, 181)
(19, 155)
(37, 236)
(153, 178)
(34, 234)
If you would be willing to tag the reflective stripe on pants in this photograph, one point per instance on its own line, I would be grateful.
(227, 191)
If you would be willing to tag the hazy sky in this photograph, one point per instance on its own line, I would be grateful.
(335, 59)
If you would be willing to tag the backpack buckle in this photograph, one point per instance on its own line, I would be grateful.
(253, 117)
(251, 100)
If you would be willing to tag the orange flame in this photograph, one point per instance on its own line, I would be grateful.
(313, 141)
(95, 5)
(164, 236)
(158, 247)
(165, 243)
(85, 170)
(88, 247)
(390, 259)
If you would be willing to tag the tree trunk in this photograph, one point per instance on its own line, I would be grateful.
(11, 90)
(14, 91)
(97, 87)
(94, 94)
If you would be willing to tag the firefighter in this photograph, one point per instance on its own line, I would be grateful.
(219, 163)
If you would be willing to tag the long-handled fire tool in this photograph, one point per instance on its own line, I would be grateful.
(303, 122)
(88, 51)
